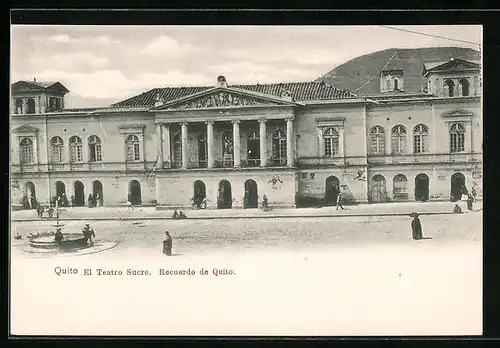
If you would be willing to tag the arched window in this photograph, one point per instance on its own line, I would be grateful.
(420, 138)
(177, 149)
(398, 138)
(95, 154)
(331, 138)
(75, 147)
(400, 187)
(57, 149)
(26, 150)
(19, 106)
(30, 106)
(133, 148)
(464, 86)
(377, 140)
(451, 87)
(279, 146)
(457, 138)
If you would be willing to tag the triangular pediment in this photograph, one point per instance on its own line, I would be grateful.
(453, 65)
(224, 97)
(26, 129)
(458, 113)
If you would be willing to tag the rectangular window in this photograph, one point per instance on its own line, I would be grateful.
(331, 147)
(137, 156)
(130, 152)
(26, 154)
(398, 145)
(76, 153)
(377, 146)
(57, 154)
(457, 142)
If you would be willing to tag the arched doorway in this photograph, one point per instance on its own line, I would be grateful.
(97, 189)
(251, 199)
(332, 185)
(134, 192)
(79, 197)
(30, 106)
(200, 192)
(378, 192)
(422, 187)
(457, 186)
(225, 198)
(400, 188)
(60, 188)
(30, 194)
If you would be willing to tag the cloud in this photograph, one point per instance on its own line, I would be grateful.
(71, 61)
(165, 46)
(100, 40)
(113, 83)
(61, 38)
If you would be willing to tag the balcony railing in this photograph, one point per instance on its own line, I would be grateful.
(425, 158)
(313, 162)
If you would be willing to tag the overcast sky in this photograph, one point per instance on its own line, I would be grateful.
(105, 64)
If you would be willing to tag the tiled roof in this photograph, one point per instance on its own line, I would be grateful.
(300, 91)
(40, 84)
(429, 66)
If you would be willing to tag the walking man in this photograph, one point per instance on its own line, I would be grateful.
(339, 201)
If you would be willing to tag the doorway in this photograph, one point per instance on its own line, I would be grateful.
(457, 186)
(97, 189)
(422, 187)
(134, 192)
(253, 149)
(79, 194)
(251, 199)
(332, 190)
(225, 198)
(60, 188)
(202, 151)
(200, 192)
(378, 192)
(30, 194)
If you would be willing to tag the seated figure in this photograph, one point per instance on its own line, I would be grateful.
(457, 209)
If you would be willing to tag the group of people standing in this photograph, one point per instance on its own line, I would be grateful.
(94, 200)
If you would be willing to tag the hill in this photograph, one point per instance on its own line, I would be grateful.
(361, 75)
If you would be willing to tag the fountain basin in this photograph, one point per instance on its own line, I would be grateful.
(71, 241)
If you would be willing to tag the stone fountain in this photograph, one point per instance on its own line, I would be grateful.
(58, 241)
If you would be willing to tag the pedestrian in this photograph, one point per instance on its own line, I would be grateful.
(470, 200)
(339, 201)
(182, 215)
(167, 244)
(90, 201)
(175, 215)
(72, 201)
(416, 227)
(88, 233)
(98, 199)
(265, 204)
(42, 210)
(457, 209)
(474, 193)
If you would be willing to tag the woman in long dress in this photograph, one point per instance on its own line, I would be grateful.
(167, 244)
(416, 227)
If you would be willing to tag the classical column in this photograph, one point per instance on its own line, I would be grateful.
(236, 143)
(35, 149)
(184, 144)
(24, 106)
(341, 141)
(159, 137)
(210, 144)
(166, 143)
(289, 142)
(321, 142)
(262, 142)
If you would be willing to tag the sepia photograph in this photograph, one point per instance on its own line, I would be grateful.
(184, 180)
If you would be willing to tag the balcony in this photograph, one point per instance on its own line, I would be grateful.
(318, 162)
(460, 157)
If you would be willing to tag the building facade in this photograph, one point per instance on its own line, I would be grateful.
(296, 143)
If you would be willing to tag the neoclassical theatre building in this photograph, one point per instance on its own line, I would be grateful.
(296, 143)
